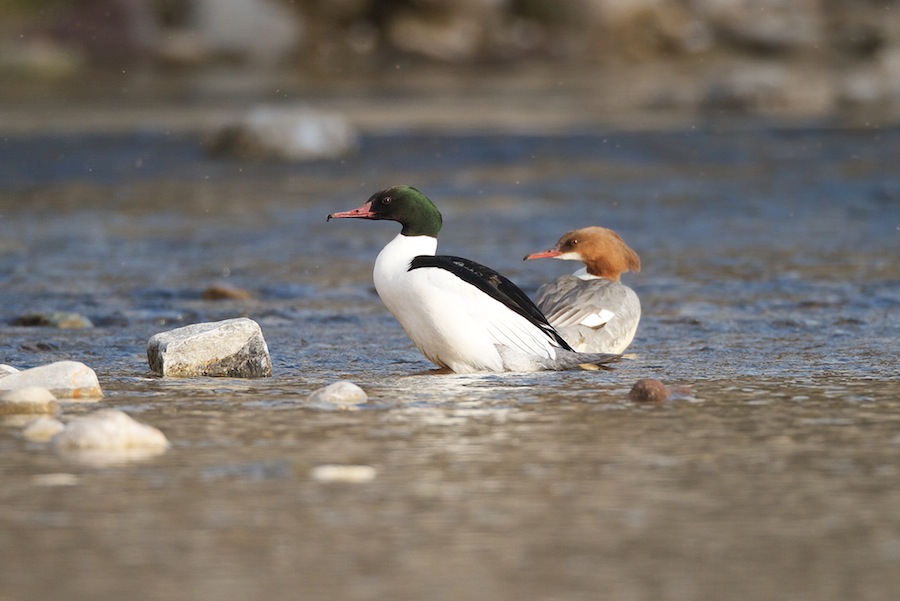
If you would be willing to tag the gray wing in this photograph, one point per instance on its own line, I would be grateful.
(592, 315)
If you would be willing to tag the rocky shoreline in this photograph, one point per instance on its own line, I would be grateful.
(806, 58)
(32, 399)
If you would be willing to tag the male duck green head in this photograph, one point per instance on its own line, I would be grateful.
(403, 204)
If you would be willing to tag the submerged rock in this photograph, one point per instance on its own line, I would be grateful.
(341, 393)
(286, 133)
(28, 400)
(231, 348)
(648, 390)
(108, 436)
(65, 379)
(64, 320)
(42, 429)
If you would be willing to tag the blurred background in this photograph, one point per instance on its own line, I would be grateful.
(806, 58)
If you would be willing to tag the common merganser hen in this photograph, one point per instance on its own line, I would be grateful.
(463, 316)
(591, 308)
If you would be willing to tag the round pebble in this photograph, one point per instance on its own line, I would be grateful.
(31, 399)
(342, 392)
(648, 390)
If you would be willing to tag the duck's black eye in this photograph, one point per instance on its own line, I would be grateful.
(574, 242)
(386, 200)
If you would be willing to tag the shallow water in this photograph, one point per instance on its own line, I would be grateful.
(770, 287)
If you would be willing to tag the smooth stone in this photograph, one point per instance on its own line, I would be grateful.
(109, 436)
(31, 400)
(230, 348)
(286, 133)
(343, 473)
(65, 379)
(649, 390)
(342, 392)
(42, 429)
(63, 320)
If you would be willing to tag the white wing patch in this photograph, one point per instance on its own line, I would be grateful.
(595, 320)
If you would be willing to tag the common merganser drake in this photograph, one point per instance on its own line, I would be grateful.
(591, 308)
(463, 316)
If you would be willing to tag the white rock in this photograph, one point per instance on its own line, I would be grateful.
(287, 133)
(65, 379)
(42, 429)
(341, 392)
(233, 348)
(6, 370)
(31, 399)
(343, 473)
(109, 436)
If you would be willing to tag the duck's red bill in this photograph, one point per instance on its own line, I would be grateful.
(363, 212)
(544, 254)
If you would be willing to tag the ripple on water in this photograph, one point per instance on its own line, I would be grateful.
(766, 288)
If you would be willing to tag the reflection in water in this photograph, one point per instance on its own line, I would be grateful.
(769, 287)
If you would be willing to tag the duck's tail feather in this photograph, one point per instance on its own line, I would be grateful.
(572, 359)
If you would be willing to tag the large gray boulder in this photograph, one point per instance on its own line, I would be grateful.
(231, 348)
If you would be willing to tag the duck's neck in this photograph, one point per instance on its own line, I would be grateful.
(396, 256)
(584, 275)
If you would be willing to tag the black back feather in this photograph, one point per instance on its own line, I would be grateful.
(494, 285)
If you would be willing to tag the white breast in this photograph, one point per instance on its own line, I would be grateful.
(452, 322)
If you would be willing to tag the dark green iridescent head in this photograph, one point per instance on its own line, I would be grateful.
(403, 204)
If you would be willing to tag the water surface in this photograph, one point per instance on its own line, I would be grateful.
(770, 287)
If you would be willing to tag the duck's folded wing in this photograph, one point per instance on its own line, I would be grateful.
(515, 322)
(570, 301)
